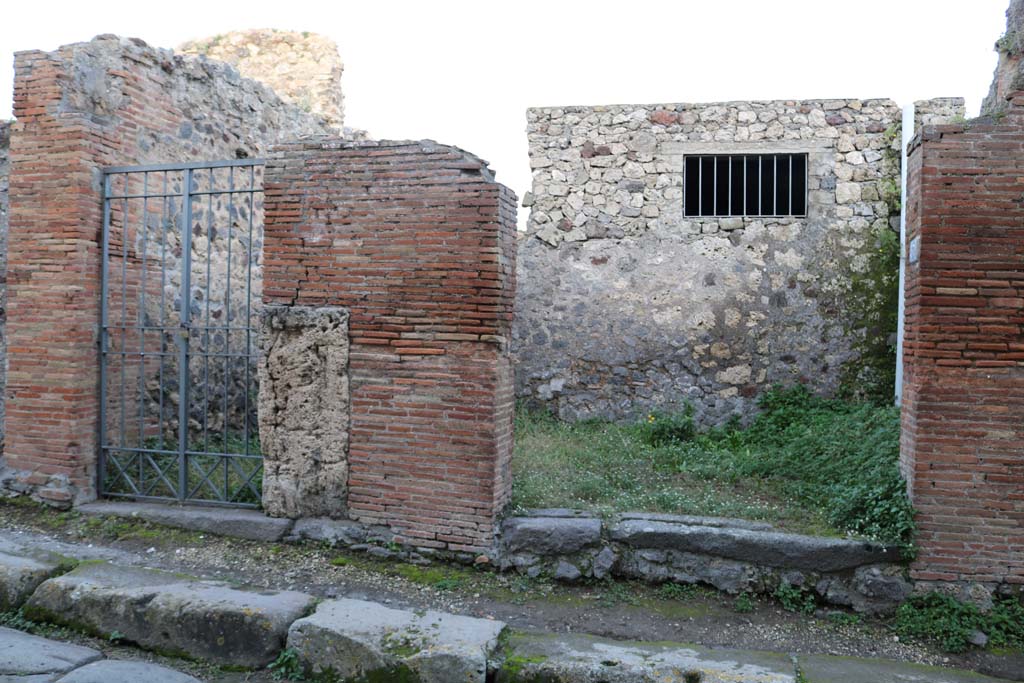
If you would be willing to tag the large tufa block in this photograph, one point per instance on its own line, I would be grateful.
(304, 410)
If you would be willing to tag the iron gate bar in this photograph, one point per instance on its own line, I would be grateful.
(198, 468)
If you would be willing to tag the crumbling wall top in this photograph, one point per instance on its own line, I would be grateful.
(303, 68)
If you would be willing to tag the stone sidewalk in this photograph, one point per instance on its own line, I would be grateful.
(345, 639)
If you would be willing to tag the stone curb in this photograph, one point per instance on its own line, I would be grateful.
(172, 613)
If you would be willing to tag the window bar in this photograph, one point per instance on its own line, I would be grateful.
(700, 186)
(714, 184)
(744, 157)
(729, 202)
(790, 212)
(775, 184)
(760, 201)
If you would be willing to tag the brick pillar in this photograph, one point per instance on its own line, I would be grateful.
(53, 290)
(962, 447)
(417, 241)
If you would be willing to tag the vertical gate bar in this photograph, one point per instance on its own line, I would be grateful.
(164, 213)
(729, 191)
(101, 464)
(206, 328)
(790, 212)
(183, 335)
(124, 306)
(142, 310)
(760, 199)
(248, 308)
(227, 314)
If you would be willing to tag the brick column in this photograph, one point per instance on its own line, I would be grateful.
(962, 447)
(417, 241)
(53, 290)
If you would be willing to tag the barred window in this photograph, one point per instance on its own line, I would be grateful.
(745, 185)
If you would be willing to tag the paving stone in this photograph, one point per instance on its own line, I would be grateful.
(694, 520)
(115, 671)
(19, 576)
(550, 535)
(24, 657)
(825, 669)
(250, 524)
(771, 548)
(357, 639)
(172, 613)
(582, 659)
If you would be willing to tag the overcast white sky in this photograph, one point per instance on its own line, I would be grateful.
(463, 72)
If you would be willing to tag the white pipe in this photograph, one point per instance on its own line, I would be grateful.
(907, 132)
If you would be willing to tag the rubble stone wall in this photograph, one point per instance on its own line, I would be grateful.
(5, 166)
(626, 306)
(303, 68)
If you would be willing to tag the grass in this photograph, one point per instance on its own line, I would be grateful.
(805, 463)
(949, 623)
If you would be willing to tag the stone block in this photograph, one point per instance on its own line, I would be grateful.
(115, 671)
(172, 613)
(550, 535)
(19, 576)
(770, 548)
(362, 640)
(304, 410)
(23, 656)
(238, 523)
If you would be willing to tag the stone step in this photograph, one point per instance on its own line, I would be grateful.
(354, 639)
(223, 521)
(172, 613)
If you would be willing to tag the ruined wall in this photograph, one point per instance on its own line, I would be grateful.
(625, 305)
(962, 437)
(303, 68)
(1009, 74)
(417, 242)
(83, 107)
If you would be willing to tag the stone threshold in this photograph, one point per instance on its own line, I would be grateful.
(732, 555)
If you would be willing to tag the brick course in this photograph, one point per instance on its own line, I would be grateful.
(417, 241)
(962, 447)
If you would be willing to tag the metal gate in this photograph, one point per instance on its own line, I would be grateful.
(181, 271)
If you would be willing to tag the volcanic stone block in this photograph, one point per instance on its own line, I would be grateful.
(304, 410)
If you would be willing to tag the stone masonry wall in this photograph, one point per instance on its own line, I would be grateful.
(962, 438)
(417, 242)
(625, 305)
(80, 108)
(1009, 74)
(303, 68)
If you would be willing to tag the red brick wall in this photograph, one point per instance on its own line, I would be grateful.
(417, 241)
(963, 406)
(78, 109)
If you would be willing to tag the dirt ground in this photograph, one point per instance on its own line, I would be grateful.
(621, 610)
